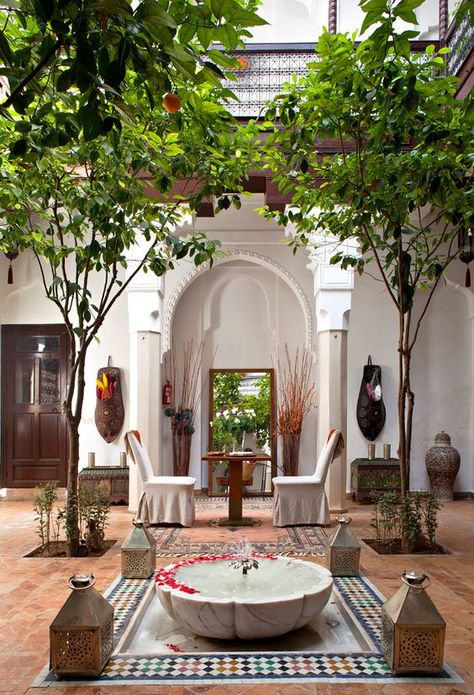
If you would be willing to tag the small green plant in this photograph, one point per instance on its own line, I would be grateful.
(94, 508)
(430, 516)
(59, 523)
(45, 498)
(408, 523)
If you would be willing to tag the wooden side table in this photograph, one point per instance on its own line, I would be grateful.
(377, 475)
(113, 478)
(235, 517)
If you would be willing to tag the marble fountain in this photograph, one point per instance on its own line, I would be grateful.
(226, 602)
(225, 597)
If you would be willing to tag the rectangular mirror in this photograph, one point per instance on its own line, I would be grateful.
(241, 419)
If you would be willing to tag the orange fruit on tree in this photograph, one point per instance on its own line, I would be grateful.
(171, 102)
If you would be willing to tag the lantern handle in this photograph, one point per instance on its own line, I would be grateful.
(344, 519)
(81, 577)
(417, 580)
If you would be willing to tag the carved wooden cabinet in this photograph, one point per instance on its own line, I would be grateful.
(376, 475)
(113, 478)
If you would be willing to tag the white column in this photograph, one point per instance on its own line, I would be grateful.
(332, 291)
(145, 308)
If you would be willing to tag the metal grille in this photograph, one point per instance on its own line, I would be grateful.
(138, 564)
(461, 43)
(261, 78)
(420, 649)
(74, 651)
(106, 641)
(343, 563)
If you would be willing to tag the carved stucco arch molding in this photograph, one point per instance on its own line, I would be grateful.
(241, 254)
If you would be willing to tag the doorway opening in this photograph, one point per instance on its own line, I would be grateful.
(241, 423)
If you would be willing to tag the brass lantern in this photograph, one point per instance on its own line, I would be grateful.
(138, 553)
(413, 632)
(343, 550)
(81, 636)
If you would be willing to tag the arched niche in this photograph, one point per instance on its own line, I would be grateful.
(243, 308)
(258, 260)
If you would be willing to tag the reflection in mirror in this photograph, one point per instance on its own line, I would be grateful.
(241, 420)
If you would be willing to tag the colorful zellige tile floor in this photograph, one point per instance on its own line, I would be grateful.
(359, 597)
(33, 590)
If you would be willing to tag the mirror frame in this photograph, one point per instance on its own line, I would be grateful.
(273, 438)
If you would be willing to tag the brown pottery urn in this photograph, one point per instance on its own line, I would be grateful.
(442, 463)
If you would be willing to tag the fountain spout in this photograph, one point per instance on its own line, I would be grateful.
(243, 557)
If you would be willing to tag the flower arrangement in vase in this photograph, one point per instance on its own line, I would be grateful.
(232, 424)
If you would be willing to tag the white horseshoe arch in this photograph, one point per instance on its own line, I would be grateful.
(241, 254)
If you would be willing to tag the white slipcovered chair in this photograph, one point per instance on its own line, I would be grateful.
(165, 499)
(301, 499)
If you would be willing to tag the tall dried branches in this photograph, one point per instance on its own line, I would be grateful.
(185, 369)
(296, 390)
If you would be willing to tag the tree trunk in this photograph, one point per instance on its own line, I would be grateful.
(77, 386)
(72, 511)
(402, 442)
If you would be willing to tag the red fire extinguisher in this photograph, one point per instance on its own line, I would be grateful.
(166, 396)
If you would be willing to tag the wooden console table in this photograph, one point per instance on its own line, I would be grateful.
(235, 517)
(377, 475)
(113, 478)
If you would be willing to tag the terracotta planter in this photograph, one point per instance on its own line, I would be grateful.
(290, 453)
(442, 462)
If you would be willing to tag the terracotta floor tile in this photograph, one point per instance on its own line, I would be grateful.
(32, 591)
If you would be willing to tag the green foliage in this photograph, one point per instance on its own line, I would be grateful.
(48, 525)
(182, 420)
(409, 522)
(236, 413)
(84, 69)
(94, 509)
(395, 185)
(93, 168)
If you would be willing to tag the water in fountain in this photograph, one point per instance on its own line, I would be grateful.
(276, 575)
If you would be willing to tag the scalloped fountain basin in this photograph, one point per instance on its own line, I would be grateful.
(214, 600)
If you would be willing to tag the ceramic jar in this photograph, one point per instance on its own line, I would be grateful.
(442, 463)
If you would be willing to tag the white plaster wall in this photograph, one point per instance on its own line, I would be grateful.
(291, 21)
(373, 331)
(249, 295)
(442, 372)
(443, 385)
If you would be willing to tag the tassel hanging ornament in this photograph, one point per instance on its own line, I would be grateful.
(11, 255)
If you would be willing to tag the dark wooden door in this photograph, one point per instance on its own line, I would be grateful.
(34, 433)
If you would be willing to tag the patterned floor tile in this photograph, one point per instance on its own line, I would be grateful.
(360, 598)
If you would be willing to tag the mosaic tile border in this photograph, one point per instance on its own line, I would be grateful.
(362, 599)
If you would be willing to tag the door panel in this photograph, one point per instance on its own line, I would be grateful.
(34, 433)
(24, 436)
(48, 431)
